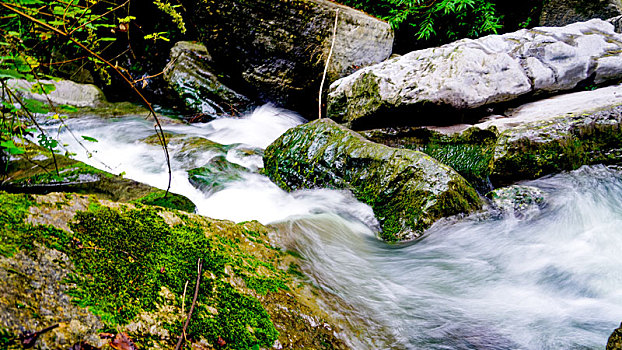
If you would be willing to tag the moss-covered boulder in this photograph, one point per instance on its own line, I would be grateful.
(469, 152)
(526, 142)
(37, 171)
(276, 50)
(408, 190)
(95, 266)
(191, 76)
(556, 134)
(615, 339)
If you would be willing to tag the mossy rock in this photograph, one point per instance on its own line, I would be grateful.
(91, 265)
(469, 152)
(35, 172)
(408, 190)
(556, 144)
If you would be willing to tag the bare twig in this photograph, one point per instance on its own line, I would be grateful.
(330, 53)
(194, 301)
(63, 62)
(183, 299)
(125, 78)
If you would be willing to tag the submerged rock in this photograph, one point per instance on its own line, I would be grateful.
(192, 77)
(517, 200)
(420, 86)
(279, 48)
(213, 176)
(408, 190)
(89, 264)
(557, 13)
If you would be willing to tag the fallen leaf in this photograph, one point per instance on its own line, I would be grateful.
(122, 342)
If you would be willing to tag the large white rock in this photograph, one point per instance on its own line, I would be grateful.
(469, 74)
(66, 92)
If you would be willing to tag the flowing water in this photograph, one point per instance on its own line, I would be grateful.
(551, 279)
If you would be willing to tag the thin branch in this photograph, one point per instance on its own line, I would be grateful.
(98, 17)
(330, 53)
(194, 301)
(13, 96)
(63, 62)
(125, 78)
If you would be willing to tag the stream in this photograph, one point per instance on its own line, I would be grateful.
(551, 279)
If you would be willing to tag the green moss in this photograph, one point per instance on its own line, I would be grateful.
(472, 161)
(170, 200)
(12, 214)
(132, 253)
(8, 341)
(123, 257)
(71, 173)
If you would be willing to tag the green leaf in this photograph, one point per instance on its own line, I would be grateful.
(11, 73)
(42, 88)
(90, 139)
(11, 147)
(34, 106)
(30, 2)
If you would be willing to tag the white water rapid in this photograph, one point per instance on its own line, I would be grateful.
(550, 280)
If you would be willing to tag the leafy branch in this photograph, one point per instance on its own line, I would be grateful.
(54, 27)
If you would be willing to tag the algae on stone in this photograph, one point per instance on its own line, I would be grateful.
(408, 190)
(213, 176)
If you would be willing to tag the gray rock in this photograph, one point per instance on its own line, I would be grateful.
(561, 12)
(469, 74)
(279, 48)
(66, 92)
(190, 74)
(408, 190)
(617, 23)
